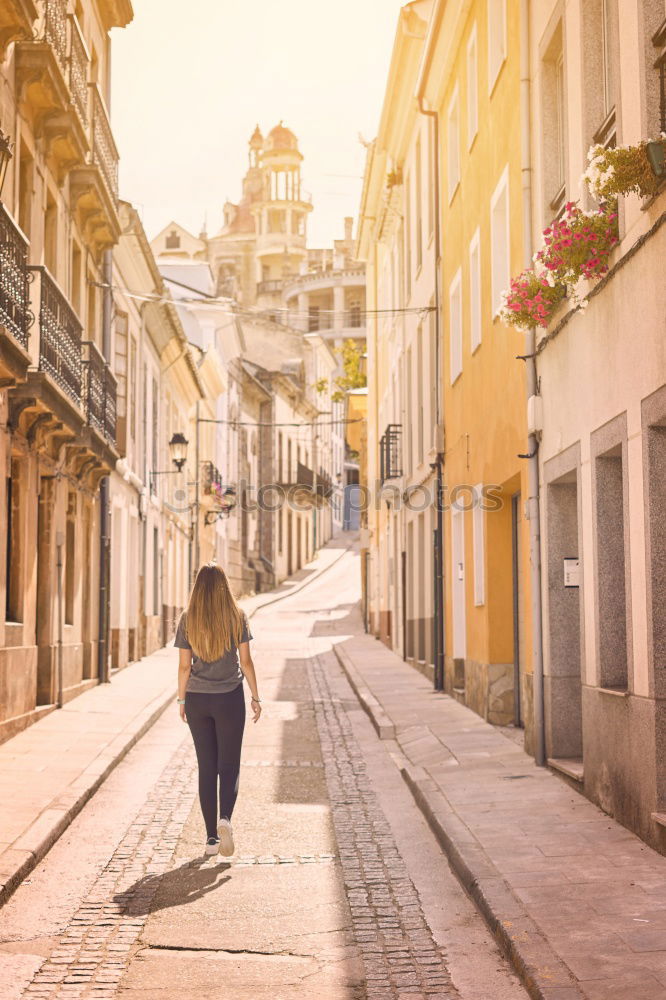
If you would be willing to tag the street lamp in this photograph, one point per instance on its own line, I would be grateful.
(656, 154)
(177, 454)
(5, 156)
(178, 449)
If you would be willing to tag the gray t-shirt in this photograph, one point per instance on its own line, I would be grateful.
(219, 676)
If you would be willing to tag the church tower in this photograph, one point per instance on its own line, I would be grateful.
(280, 212)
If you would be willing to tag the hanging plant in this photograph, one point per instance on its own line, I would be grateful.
(531, 300)
(622, 170)
(578, 245)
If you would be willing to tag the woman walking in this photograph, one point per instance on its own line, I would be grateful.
(213, 637)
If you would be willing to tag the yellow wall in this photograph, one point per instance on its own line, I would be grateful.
(485, 408)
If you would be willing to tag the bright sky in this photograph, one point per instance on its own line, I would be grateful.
(191, 80)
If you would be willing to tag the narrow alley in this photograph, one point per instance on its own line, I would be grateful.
(338, 888)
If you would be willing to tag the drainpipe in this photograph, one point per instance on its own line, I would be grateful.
(437, 465)
(533, 505)
(59, 545)
(104, 535)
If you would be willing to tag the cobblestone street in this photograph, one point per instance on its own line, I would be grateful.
(337, 890)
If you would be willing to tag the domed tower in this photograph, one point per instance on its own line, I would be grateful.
(281, 211)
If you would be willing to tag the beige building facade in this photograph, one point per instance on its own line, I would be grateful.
(596, 69)
(59, 218)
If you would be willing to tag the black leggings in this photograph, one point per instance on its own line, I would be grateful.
(216, 722)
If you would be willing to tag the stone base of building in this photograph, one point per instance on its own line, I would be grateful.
(486, 688)
(625, 760)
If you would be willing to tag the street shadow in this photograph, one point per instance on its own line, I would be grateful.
(182, 885)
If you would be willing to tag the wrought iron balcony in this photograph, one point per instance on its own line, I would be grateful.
(15, 313)
(59, 336)
(79, 61)
(55, 28)
(390, 464)
(98, 391)
(104, 151)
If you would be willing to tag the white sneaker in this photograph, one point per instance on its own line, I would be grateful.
(212, 846)
(226, 835)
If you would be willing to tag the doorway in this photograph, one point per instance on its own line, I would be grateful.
(563, 680)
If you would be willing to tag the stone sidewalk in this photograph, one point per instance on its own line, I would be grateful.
(576, 900)
(50, 770)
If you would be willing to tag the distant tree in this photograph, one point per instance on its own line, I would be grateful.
(353, 376)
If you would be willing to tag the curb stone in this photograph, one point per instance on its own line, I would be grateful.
(383, 725)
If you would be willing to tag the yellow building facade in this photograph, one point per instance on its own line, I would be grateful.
(444, 378)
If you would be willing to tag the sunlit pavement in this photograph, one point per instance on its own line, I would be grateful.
(337, 890)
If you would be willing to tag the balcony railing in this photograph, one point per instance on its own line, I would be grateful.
(104, 152)
(390, 466)
(59, 336)
(78, 73)
(15, 312)
(110, 405)
(55, 28)
(93, 385)
(98, 391)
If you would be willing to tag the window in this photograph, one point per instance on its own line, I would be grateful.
(120, 371)
(475, 291)
(408, 238)
(472, 88)
(132, 388)
(419, 393)
(172, 241)
(14, 550)
(75, 278)
(455, 325)
(51, 235)
(280, 517)
(479, 546)
(313, 318)
(156, 571)
(431, 178)
(355, 314)
(418, 189)
(559, 120)
(499, 240)
(277, 222)
(279, 461)
(154, 433)
(26, 200)
(453, 144)
(496, 40)
(607, 57)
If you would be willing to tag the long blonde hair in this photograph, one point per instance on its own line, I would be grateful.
(213, 620)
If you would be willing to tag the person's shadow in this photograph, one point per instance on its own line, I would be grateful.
(189, 882)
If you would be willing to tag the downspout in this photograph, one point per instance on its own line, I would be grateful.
(533, 504)
(104, 536)
(437, 465)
